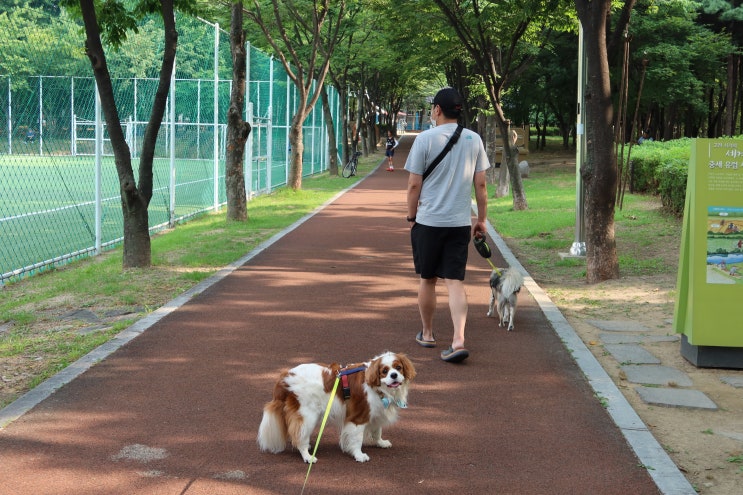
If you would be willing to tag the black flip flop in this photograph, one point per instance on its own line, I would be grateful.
(424, 343)
(455, 356)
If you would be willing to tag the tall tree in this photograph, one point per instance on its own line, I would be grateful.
(237, 129)
(545, 92)
(599, 173)
(110, 20)
(303, 35)
(339, 74)
(502, 40)
(726, 16)
(685, 68)
(342, 70)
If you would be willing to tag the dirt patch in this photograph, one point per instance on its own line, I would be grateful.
(706, 445)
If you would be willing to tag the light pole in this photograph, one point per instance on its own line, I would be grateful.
(579, 244)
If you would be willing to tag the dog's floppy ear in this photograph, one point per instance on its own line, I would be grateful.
(407, 367)
(372, 374)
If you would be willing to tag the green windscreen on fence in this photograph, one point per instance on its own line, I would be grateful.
(60, 191)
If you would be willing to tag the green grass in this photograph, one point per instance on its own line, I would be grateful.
(647, 236)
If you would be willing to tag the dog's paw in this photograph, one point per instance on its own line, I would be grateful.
(490, 313)
(384, 444)
(309, 459)
(361, 457)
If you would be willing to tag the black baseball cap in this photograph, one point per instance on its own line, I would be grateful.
(449, 101)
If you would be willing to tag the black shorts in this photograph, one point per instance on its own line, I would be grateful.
(389, 152)
(440, 251)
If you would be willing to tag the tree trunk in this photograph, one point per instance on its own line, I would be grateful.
(517, 186)
(509, 161)
(504, 180)
(599, 172)
(332, 143)
(488, 131)
(345, 138)
(135, 198)
(237, 129)
(296, 141)
(358, 137)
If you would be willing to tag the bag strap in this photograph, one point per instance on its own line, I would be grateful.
(452, 141)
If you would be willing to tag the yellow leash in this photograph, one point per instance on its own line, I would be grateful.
(322, 427)
(484, 250)
(493, 267)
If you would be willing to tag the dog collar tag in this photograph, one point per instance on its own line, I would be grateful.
(386, 403)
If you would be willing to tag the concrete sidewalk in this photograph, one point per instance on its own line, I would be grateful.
(173, 405)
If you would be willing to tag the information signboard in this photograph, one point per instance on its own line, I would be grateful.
(709, 300)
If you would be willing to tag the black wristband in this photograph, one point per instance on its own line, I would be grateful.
(410, 219)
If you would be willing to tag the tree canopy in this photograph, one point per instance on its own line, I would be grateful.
(514, 64)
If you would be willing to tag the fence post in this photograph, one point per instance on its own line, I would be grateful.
(269, 129)
(339, 122)
(171, 126)
(73, 133)
(72, 116)
(321, 134)
(135, 140)
(41, 116)
(98, 161)
(10, 118)
(248, 154)
(288, 147)
(313, 152)
(216, 116)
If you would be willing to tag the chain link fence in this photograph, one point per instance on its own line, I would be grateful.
(60, 196)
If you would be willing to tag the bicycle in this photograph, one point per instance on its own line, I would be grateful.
(349, 170)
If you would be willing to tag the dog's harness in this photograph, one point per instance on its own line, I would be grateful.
(343, 375)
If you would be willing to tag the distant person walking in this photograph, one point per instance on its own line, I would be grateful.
(389, 150)
(440, 215)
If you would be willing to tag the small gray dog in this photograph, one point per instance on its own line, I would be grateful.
(505, 285)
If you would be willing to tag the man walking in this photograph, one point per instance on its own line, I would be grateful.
(440, 215)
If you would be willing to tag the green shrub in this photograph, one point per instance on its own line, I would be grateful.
(671, 176)
(649, 159)
(662, 168)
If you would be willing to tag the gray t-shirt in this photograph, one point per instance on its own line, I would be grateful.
(446, 195)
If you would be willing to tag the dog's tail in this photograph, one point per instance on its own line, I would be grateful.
(272, 433)
(511, 282)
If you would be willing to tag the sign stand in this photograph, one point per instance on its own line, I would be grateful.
(710, 277)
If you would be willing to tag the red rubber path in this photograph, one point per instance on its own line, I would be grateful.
(176, 410)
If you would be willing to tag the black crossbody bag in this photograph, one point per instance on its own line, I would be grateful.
(452, 141)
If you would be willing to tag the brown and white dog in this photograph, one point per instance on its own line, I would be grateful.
(368, 398)
(505, 287)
